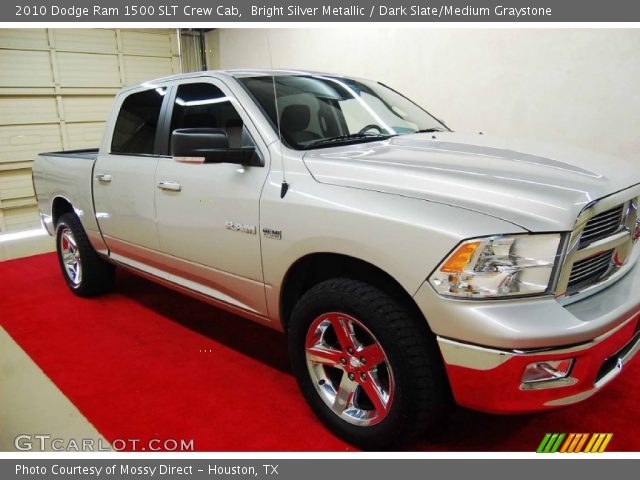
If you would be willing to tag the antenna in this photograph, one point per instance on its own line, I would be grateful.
(285, 186)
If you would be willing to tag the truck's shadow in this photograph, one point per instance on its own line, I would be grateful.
(256, 341)
(462, 430)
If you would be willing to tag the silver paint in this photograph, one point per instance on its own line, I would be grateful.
(401, 204)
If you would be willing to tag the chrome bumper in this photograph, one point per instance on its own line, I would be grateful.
(491, 380)
(486, 346)
(601, 333)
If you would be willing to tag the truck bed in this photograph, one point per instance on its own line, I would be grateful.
(67, 176)
(84, 154)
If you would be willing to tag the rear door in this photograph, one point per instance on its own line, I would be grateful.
(124, 175)
(208, 214)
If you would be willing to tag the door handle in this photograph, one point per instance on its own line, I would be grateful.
(104, 177)
(169, 185)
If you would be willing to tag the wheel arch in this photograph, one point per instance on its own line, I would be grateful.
(59, 206)
(314, 268)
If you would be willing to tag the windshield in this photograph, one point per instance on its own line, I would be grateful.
(318, 111)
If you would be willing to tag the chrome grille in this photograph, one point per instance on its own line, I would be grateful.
(602, 225)
(590, 270)
(602, 246)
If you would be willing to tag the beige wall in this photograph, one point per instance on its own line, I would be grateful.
(212, 43)
(580, 86)
(56, 89)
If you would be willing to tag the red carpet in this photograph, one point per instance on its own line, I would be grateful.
(133, 362)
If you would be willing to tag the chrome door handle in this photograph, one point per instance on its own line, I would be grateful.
(104, 177)
(169, 185)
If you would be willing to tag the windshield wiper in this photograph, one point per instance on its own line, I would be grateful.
(346, 138)
(429, 130)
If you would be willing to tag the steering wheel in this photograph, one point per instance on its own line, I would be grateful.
(371, 126)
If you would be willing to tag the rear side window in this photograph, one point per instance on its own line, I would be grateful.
(137, 123)
(203, 105)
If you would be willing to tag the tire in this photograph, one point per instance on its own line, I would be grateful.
(84, 271)
(397, 355)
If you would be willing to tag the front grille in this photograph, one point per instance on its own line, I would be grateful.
(602, 225)
(602, 245)
(589, 270)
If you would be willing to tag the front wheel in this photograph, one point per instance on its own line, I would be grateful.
(84, 271)
(367, 368)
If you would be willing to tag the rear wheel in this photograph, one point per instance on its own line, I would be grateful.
(367, 368)
(85, 272)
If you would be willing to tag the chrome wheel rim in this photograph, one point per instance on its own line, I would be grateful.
(349, 369)
(70, 256)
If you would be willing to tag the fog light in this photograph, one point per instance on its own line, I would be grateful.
(545, 371)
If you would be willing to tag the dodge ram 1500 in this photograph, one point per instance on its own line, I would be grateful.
(408, 264)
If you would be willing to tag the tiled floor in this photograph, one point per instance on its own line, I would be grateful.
(30, 404)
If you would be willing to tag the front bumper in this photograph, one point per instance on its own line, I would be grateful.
(486, 346)
(491, 380)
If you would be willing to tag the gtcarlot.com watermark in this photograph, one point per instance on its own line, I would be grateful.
(44, 441)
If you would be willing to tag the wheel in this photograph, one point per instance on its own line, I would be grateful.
(367, 368)
(84, 271)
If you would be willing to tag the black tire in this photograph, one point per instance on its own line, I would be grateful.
(96, 275)
(420, 393)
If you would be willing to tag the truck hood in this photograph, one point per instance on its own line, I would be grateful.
(537, 186)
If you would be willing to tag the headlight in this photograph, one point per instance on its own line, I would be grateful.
(499, 266)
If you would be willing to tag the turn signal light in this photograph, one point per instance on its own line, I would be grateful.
(461, 257)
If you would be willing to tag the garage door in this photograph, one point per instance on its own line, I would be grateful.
(56, 89)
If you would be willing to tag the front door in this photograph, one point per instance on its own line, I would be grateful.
(208, 214)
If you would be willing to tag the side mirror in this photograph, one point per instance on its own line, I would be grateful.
(210, 145)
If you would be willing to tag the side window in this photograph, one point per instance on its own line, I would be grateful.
(203, 105)
(135, 129)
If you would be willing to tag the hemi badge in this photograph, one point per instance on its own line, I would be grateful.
(271, 233)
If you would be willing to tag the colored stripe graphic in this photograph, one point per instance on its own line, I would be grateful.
(582, 441)
(605, 443)
(592, 440)
(599, 440)
(570, 439)
(547, 448)
(543, 443)
(556, 445)
(574, 443)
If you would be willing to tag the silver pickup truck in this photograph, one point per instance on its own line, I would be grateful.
(408, 264)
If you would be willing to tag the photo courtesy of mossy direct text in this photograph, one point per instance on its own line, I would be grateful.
(162, 469)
